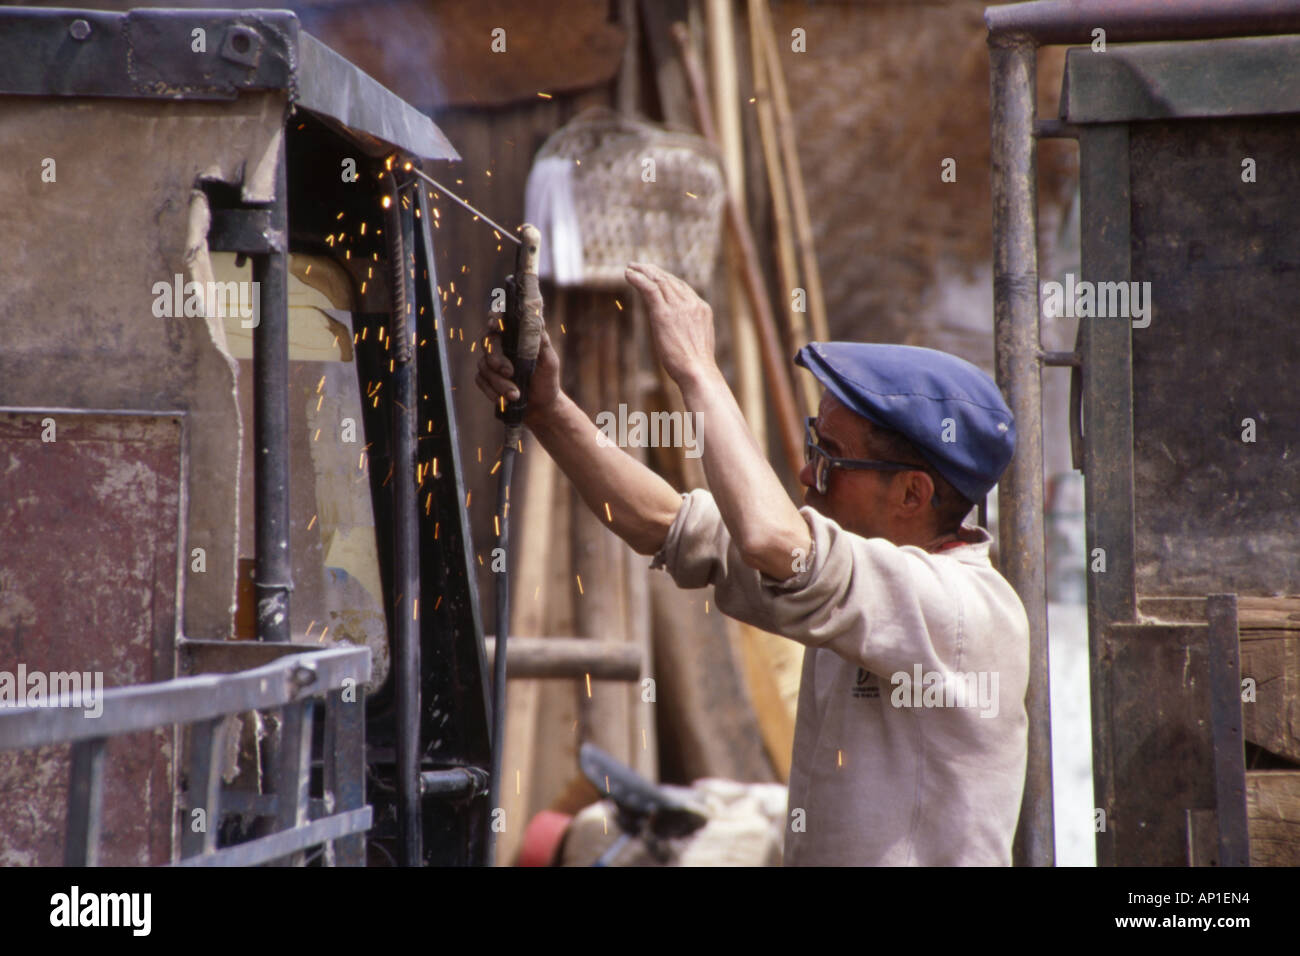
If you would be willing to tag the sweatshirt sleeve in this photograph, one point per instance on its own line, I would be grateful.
(867, 599)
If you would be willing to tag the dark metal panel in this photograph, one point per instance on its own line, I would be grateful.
(1152, 690)
(1226, 730)
(1072, 21)
(1214, 512)
(1017, 346)
(1235, 77)
(331, 86)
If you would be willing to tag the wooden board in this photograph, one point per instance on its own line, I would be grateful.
(1273, 806)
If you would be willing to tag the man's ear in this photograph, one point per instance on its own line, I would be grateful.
(917, 491)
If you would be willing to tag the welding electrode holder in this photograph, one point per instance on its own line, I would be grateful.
(521, 337)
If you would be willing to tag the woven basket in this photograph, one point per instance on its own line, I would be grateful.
(588, 194)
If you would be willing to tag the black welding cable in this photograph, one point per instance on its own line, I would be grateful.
(520, 344)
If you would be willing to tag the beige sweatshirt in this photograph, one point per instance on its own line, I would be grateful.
(911, 734)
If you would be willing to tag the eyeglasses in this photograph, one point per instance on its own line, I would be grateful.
(822, 462)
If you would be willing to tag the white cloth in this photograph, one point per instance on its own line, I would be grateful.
(549, 205)
(880, 784)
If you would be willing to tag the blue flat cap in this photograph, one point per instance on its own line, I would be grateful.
(949, 409)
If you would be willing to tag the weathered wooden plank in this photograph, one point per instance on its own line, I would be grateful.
(1273, 807)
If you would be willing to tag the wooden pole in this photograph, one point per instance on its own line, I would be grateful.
(727, 139)
(787, 270)
(790, 152)
(535, 518)
(777, 370)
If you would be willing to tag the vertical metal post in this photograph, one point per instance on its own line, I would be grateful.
(85, 803)
(406, 530)
(271, 420)
(1021, 546)
(345, 767)
(206, 745)
(293, 771)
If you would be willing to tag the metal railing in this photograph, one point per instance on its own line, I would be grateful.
(290, 686)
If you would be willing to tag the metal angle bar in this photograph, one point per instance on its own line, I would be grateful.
(287, 842)
(85, 803)
(1227, 730)
(185, 699)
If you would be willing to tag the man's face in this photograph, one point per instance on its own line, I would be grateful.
(857, 501)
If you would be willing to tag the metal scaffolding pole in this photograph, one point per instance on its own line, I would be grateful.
(1019, 374)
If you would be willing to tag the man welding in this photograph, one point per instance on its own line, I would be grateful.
(911, 736)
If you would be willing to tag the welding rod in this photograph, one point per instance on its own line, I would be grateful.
(456, 199)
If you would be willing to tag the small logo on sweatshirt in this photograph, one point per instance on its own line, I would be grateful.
(866, 685)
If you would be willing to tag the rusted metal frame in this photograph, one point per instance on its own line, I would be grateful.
(288, 842)
(345, 769)
(85, 803)
(453, 656)
(274, 565)
(1106, 386)
(207, 743)
(1126, 21)
(1227, 730)
(145, 53)
(185, 700)
(1021, 541)
(148, 54)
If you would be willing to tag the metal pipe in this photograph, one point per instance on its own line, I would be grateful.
(1021, 548)
(1128, 21)
(400, 227)
(459, 782)
(274, 571)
